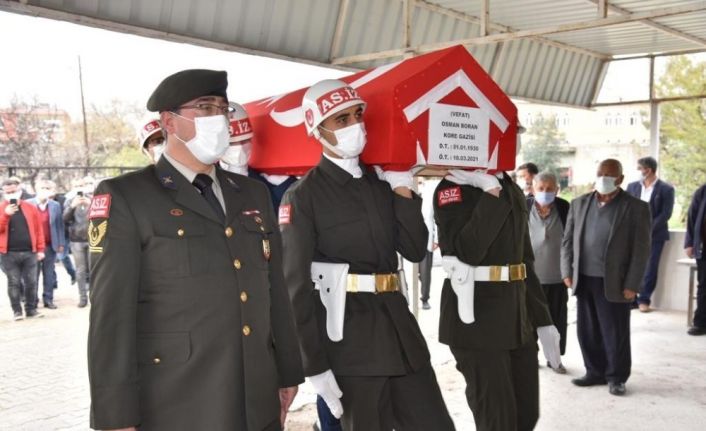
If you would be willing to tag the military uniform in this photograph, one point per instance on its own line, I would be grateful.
(191, 326)
(497, 353)
(382, 363)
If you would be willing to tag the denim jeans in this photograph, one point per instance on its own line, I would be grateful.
(46, 268)
(21, 270)
(80, 252)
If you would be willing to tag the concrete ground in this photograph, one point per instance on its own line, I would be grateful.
(44, 386)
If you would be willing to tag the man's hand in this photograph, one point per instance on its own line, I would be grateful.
(286, 396)
(568, 282)
(325, 385)
(40, 256)
(486, 182)
(629, 294)
(689, 250)
(401, 182)
(11, 209)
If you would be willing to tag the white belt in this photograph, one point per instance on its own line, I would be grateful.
(371, 283)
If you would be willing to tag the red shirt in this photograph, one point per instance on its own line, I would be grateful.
(44, 222)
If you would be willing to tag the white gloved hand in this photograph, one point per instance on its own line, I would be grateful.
(396, 178)
(478, 179)
(326, 386)
(549, 337)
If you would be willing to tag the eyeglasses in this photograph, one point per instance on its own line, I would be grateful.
(210, 108)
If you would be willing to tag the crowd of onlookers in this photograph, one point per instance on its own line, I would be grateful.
(40, 227)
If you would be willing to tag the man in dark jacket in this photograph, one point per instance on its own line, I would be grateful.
(76, 219)
(363, 350)
(660, 196)
(694, 248)
(604, 252)
(191, 325)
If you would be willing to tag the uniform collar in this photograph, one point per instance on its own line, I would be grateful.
(188, 173)
(333, 169)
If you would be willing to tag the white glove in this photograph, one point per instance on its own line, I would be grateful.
(549, 337)
(326, 386)
(478, 179)
(396, 178)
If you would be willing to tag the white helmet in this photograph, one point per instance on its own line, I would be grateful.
(240, 126)
(324, 99)
(148, 130)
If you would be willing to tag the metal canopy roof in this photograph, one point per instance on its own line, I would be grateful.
(552, 51)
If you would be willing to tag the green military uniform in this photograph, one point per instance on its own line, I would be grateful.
(382, 365)
(191, 326)
(497, 353)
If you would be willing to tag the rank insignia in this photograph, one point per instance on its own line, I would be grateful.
(167, 181)
(266, 251)
(96, 234)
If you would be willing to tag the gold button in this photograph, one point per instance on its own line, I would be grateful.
(156, 361)
(243, 297)
(246, 330)
(180, 232)
(258, 220)
(229, 232)
(262, 228)
(237, 264)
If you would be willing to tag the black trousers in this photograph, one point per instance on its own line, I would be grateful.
(425, 274)
(603, 329)
(557, 297)
(502, 387)
(412, 402)
(700, 313)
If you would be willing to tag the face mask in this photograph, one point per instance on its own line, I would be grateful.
(544, 198)
(351, 141)
(43, 195)
(237, 155)
(157, 152)
(15, 195)
(211, 139)
(606, 185)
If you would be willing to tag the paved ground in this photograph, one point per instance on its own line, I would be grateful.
(43, 382)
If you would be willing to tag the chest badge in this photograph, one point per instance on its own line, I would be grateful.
(176, 212)
(266, 251)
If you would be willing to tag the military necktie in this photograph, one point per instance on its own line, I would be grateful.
(203, 182)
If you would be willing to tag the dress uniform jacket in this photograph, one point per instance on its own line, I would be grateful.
(333, 217)
(482, 230)
(191, 325)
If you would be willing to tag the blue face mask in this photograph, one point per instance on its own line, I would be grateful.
(544, 198)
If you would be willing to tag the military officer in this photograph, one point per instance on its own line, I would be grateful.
(151, 140)
(492, 300)
(363, 346)
(191, 327)
(237, 157)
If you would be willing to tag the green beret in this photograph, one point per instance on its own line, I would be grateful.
(179, 88)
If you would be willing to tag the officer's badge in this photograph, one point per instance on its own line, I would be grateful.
(96, 234)
(176, 212)
(167, 181)
(266, 251)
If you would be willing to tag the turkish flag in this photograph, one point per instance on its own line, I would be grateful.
(399, 97)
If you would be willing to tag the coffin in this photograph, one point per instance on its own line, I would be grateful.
(426, 113)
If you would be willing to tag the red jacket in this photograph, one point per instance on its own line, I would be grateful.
(36, 233)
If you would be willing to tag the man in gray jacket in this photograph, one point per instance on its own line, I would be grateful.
(604, 253)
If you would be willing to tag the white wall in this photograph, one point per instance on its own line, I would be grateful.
(673, 282)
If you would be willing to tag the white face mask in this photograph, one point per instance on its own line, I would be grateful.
(157, 152)
(606, 185)
(238, 154)
(544, 198)
(15, 195)
(211, 138)
(43, 195)
(351, 141)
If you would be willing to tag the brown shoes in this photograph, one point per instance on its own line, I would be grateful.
(645, 308)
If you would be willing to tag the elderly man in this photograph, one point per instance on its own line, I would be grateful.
(604, 253)
(547, 218)
(191, 326)
(660, 196)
